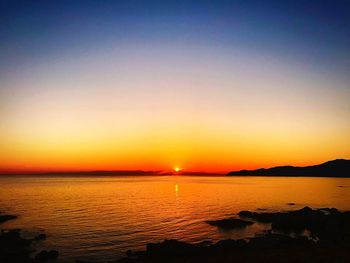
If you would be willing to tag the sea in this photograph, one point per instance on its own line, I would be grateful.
(99, 218)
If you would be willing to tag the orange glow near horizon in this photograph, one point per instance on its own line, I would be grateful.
(118, 114)
(197, 146)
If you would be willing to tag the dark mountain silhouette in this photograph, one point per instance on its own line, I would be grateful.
(335, 168)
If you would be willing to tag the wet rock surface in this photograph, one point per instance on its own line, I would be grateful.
(40, 237)
(230, 223)
(323, 223)
(267, 248)
(329, 241)
(4, 218)
(15, 248)
(44, 255)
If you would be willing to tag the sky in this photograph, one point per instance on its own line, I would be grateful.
(200, 85)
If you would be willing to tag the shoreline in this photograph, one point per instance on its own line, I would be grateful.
(16, 248)
(328, 238)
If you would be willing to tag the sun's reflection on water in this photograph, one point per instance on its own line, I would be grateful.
(176, 190)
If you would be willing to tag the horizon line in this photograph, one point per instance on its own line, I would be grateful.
(131, 171)
(110, 172)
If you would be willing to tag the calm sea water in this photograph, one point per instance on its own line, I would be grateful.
(99, 218)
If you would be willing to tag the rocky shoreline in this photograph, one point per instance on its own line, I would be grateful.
(304, 235)
(15, 248)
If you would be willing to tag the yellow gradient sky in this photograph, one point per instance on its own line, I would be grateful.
(155, 109)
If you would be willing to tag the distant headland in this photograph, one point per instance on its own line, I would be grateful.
(334, 168)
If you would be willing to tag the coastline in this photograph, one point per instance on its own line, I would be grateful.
(303, 235)
(339, 168)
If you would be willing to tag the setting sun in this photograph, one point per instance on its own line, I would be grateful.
(177, 169)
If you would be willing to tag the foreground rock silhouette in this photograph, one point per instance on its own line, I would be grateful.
(328, 241)
(16, 249)
(47, 255)
(230, 223)
(304, 235)
(4, 218)
(323, 224)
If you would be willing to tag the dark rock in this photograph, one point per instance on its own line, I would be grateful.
(171, 248)
(46, 255)
(324, 223)
(266, 217)
(247, 214)
(304, 211)
(205, 243)
(227, 244)
(4, 218)
(13, 247)
(329, 241)
(329, 210)
(230, 223)
(40, 237)
(241, 243)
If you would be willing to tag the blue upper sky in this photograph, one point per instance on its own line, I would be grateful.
(315, 32)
